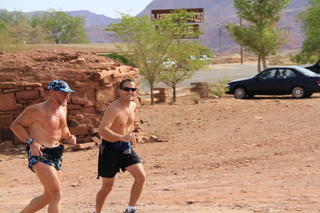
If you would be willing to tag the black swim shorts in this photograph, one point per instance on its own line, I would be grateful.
(112, 159)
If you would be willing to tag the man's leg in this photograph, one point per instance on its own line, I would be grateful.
(107, 184)
(37, 203)
(137, 171)
(51, 181)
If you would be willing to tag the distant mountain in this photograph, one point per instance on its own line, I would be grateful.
(94, 25)
(215, 12)
(92, 18)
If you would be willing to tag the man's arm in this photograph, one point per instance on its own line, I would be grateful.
(65, 132)
(25, 119)
(108, 118)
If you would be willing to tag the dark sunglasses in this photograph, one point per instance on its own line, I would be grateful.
(127, 89)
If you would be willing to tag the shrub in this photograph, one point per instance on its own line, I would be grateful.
(119, 57)
(195, 97)
(220, 89)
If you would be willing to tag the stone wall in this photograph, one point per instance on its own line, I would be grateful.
(95, 89)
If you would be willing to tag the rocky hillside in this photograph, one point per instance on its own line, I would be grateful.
(219, 11)
(216, 12)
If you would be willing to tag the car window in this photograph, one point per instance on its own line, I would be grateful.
(305, 71)
(280, 74)
(267, 74)
(290, 74)
(285, 73)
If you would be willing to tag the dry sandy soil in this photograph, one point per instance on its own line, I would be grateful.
(223, 155)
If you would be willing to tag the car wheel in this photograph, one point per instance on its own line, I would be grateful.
(298, 92)
(240, 93)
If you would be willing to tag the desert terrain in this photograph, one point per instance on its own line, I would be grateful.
(222, 155)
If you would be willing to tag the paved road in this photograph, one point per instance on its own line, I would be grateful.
(216, 72)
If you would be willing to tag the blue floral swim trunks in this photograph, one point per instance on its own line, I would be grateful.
(46, 159)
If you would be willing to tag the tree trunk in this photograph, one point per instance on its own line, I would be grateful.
(259, 64)
(151, 95)
(174, 94)
(264, 60)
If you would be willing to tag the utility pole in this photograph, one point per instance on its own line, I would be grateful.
(241, 51)
(220, 40)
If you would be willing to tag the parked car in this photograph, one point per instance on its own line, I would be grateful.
(314, 68)
(294, 80)
(169, 64)
(205, 58)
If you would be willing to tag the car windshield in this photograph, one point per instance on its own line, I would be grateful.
(305, 71)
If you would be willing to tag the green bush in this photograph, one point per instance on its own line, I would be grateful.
(195, 97)
(220, 89)
(119, 57)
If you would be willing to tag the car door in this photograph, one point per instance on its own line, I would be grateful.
(284, 80)
(262, 84)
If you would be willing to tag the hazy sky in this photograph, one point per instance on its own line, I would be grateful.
(102, 7)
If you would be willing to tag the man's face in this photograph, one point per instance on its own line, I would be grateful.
(128, 91)
(60, 97)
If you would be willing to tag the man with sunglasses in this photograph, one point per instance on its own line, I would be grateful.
(47, 123)
(116, 151)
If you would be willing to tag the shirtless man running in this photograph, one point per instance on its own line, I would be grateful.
(47, 123)
(116, 151)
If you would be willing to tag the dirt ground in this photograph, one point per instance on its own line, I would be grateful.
(223, 155)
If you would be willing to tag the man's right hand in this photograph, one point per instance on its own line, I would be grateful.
(130, 137)
(36, 148)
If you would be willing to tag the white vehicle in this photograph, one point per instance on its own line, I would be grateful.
(205, 58)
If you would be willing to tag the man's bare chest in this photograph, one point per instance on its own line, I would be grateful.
(54, 120)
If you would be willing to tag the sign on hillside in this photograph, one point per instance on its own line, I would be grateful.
(198, 17)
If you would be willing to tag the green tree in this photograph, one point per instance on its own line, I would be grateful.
(61, 27)
(181, 64)
(16, 24)
(12, 17)
(19, 31)
(260, 35)
(310, 25)
(150, 44)
(2, 25)
(145, 44)
(182, 60)
(13, 31)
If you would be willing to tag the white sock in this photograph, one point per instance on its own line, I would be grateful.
(130, 208)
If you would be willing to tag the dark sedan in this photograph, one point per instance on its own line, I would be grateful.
(294, 80)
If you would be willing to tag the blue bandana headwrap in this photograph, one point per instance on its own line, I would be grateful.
(59, 85)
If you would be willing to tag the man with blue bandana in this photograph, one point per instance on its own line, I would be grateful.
(47, 123)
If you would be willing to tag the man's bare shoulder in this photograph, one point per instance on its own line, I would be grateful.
(114, 106)
(134, 104)
(35, 108)
(30, 114)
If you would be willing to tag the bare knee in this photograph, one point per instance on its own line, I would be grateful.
(141, 178)
(106, 188)
(56, 195)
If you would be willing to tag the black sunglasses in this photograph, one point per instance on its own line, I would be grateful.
(127, 89)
